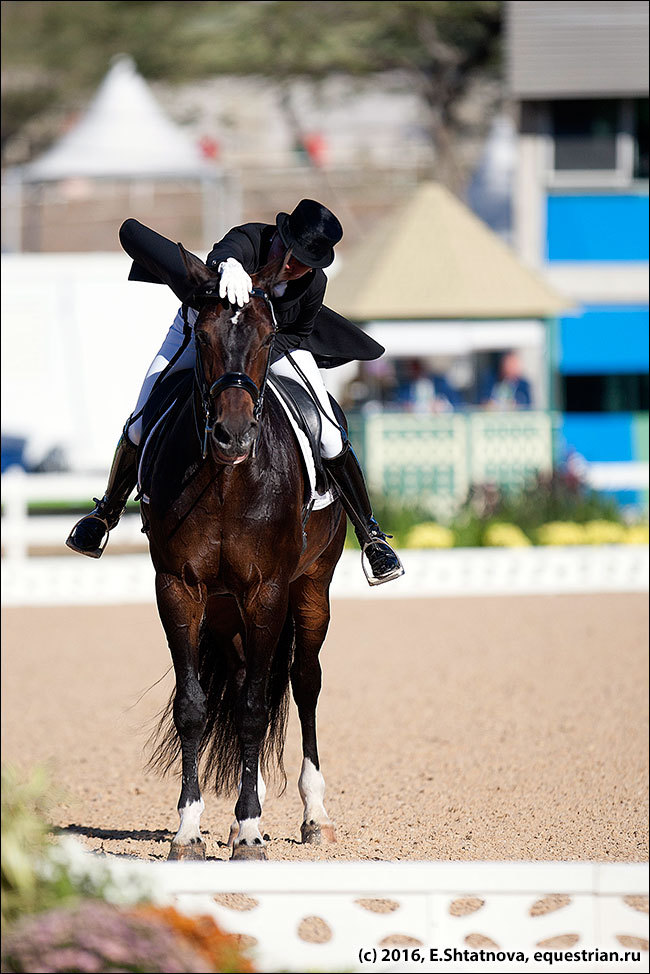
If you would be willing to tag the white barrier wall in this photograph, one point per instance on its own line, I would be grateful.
(77, 339)
(398, 916)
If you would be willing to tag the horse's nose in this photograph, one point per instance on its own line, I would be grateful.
(222, 435)
(235, 442)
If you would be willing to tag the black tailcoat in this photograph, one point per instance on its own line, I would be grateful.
(303, 320)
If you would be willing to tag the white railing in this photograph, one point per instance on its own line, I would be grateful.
(61, 578)
(618, 476)
(22, 531)
(411, 916)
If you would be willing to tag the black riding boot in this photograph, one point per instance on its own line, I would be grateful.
(346, 473)
(89, 536)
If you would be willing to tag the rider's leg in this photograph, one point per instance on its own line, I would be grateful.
(89, 536)
(168, 349)
(332, 435)
(344, 469)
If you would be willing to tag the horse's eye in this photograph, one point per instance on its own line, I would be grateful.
(267, 341)
(201, 337)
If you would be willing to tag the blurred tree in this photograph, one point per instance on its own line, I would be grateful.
(55, 52)
(442, 45)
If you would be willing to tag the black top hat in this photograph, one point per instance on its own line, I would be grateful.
(311, 232)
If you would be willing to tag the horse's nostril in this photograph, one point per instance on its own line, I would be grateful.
(221, 434)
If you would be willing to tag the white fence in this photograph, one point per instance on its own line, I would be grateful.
(22, 531)
(416, 916)
(70, 579)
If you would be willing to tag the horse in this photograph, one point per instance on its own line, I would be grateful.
(242, 577)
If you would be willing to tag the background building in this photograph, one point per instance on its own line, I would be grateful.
(578, 73)
(454, 309)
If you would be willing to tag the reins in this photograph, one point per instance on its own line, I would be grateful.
(231, 380)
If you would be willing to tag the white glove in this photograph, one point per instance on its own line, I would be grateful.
(235, 282)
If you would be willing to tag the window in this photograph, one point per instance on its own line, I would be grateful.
(641, 138)
(605, 393)
(584, 134)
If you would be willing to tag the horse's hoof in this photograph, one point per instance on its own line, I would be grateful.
(313, 834)
(242, 852)
(195, 851)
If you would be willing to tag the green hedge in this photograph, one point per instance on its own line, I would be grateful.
(557, 509)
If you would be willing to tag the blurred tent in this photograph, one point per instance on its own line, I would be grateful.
(123, 136)
(433, 259)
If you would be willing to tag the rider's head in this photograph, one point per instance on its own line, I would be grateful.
(310, 233)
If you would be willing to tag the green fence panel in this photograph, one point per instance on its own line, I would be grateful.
(418, 459)
(433, 460)
(509, 449)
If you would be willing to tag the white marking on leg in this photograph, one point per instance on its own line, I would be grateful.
(261, 795)
(190, 816)
(261, 787)
(249, 832)
(311, 786)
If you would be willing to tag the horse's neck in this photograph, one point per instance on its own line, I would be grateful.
(275, 450)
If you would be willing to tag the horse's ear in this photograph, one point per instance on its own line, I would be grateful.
(269, 274)
(197, 271)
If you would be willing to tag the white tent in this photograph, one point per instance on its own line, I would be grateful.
(123, 135)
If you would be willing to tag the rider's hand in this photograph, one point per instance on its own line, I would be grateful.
(235, 283)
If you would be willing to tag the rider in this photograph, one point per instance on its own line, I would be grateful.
(309, 336)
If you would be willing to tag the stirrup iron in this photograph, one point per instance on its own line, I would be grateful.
(93, 552)
(397, 572)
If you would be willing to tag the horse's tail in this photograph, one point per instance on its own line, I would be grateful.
(219, 746)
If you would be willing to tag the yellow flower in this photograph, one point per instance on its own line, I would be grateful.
(561, 533)
(636, 534)
(604, 532)
(499, 535)
(428, 534)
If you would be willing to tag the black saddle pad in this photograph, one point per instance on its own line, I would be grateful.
(160, 412)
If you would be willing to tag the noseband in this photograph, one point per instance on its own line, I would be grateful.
(232, 380)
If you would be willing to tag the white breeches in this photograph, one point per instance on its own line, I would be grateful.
(331, 439)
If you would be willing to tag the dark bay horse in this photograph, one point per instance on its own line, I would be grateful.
(242, 589)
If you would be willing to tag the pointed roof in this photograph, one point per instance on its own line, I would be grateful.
(433, 258)
(124, 134)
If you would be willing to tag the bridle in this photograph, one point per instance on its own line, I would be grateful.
(230, 380)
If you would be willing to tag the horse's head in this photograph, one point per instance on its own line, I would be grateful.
(233, 347)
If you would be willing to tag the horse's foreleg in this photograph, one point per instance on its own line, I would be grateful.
(261, 795)
(310, 607)
(264, 612)
(181, 617)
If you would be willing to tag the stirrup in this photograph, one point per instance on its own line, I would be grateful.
(396, 572)
(90, 552)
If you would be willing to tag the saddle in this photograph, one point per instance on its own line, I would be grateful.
(308, 418)
(160, 412)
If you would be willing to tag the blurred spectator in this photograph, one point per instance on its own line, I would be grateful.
(316, 148)
(375, 382)
(510, 390)
(426, 392)
(210, 148)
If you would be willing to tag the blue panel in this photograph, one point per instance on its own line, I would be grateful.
(13, 449)
(624, 498)
(597, 227)
(599, 437)
(608, 339)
